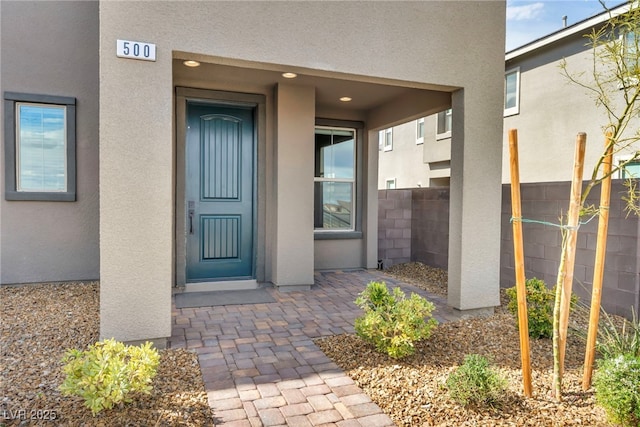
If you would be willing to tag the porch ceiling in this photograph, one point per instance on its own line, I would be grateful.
(366, 94)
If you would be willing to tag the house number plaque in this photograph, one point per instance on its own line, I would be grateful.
(136, 50)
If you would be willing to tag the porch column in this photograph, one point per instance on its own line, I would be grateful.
(136, 189)
(475, 203)
(294, 163)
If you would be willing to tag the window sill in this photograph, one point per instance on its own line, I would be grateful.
(441, 136)
(336, 235)
(40, 196)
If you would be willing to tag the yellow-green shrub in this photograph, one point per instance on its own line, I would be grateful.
(540, 301)
(106, 372)
(391, 321)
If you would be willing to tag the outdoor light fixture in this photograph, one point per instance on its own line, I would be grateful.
(191, 63)
(345, 99)
(289, 75)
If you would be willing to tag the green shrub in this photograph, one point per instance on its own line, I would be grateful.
(615, 340)
(540, 301)
(617, 387)
(391, 321)
(105, 373)
(476, 382)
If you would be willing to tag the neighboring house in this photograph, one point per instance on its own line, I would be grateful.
(419, 154)
(548, 111)
(540, 103)
(180, 146)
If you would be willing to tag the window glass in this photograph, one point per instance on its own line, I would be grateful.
(631, 170)
(387, 139)
(420, 131)
(511, 92)
(335, 172)
(631, 51)
(444, 122)
(335, 153)
(336, 199)
(41, 147)
(391, 184)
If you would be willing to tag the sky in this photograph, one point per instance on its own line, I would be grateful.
(528, 20)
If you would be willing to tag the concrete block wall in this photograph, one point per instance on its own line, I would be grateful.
(394, 226)
(421, 216)
(430, 226)
(542, 244)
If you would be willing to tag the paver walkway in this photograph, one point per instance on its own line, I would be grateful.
(261, 367)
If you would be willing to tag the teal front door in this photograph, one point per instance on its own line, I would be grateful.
(220, 147)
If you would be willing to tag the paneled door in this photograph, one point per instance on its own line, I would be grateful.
(220, 199)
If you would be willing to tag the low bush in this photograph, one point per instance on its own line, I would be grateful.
(476, 382)
(615, 340)
(392, 322)
(106, 372)
(540, 301)
(617, 389)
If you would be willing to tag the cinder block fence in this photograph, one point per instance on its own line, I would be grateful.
(414, 226)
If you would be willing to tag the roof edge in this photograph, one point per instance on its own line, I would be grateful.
(568, 31)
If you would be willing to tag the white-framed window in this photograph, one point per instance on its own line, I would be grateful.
(630, 45)
(390, 184)
(335, 179)
(386, 139)
(512, 92)
(443, 124)
(420, 131)
(631, 169)
(39, 147)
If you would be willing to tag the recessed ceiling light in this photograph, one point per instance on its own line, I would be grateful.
(345, 99)
(289, 75)
(191, 63)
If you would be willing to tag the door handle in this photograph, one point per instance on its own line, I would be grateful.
(192, 211)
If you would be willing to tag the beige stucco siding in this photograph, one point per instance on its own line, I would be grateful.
(403, 164)
(293, 255)
(553, 111)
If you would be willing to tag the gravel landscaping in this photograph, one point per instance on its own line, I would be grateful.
(39, 322)
(412, 391)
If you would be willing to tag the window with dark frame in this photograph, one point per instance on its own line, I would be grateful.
(335, 179)
(40, 145)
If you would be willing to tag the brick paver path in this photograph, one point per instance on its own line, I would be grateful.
(261, 367)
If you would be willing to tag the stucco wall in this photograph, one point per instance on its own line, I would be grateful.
(293, 255)
(404, 162)
(53, 241)
(136, 122)
(553, 111)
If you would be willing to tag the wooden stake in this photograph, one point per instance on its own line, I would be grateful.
(598, 271)
(518, 252)
(573, 219)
